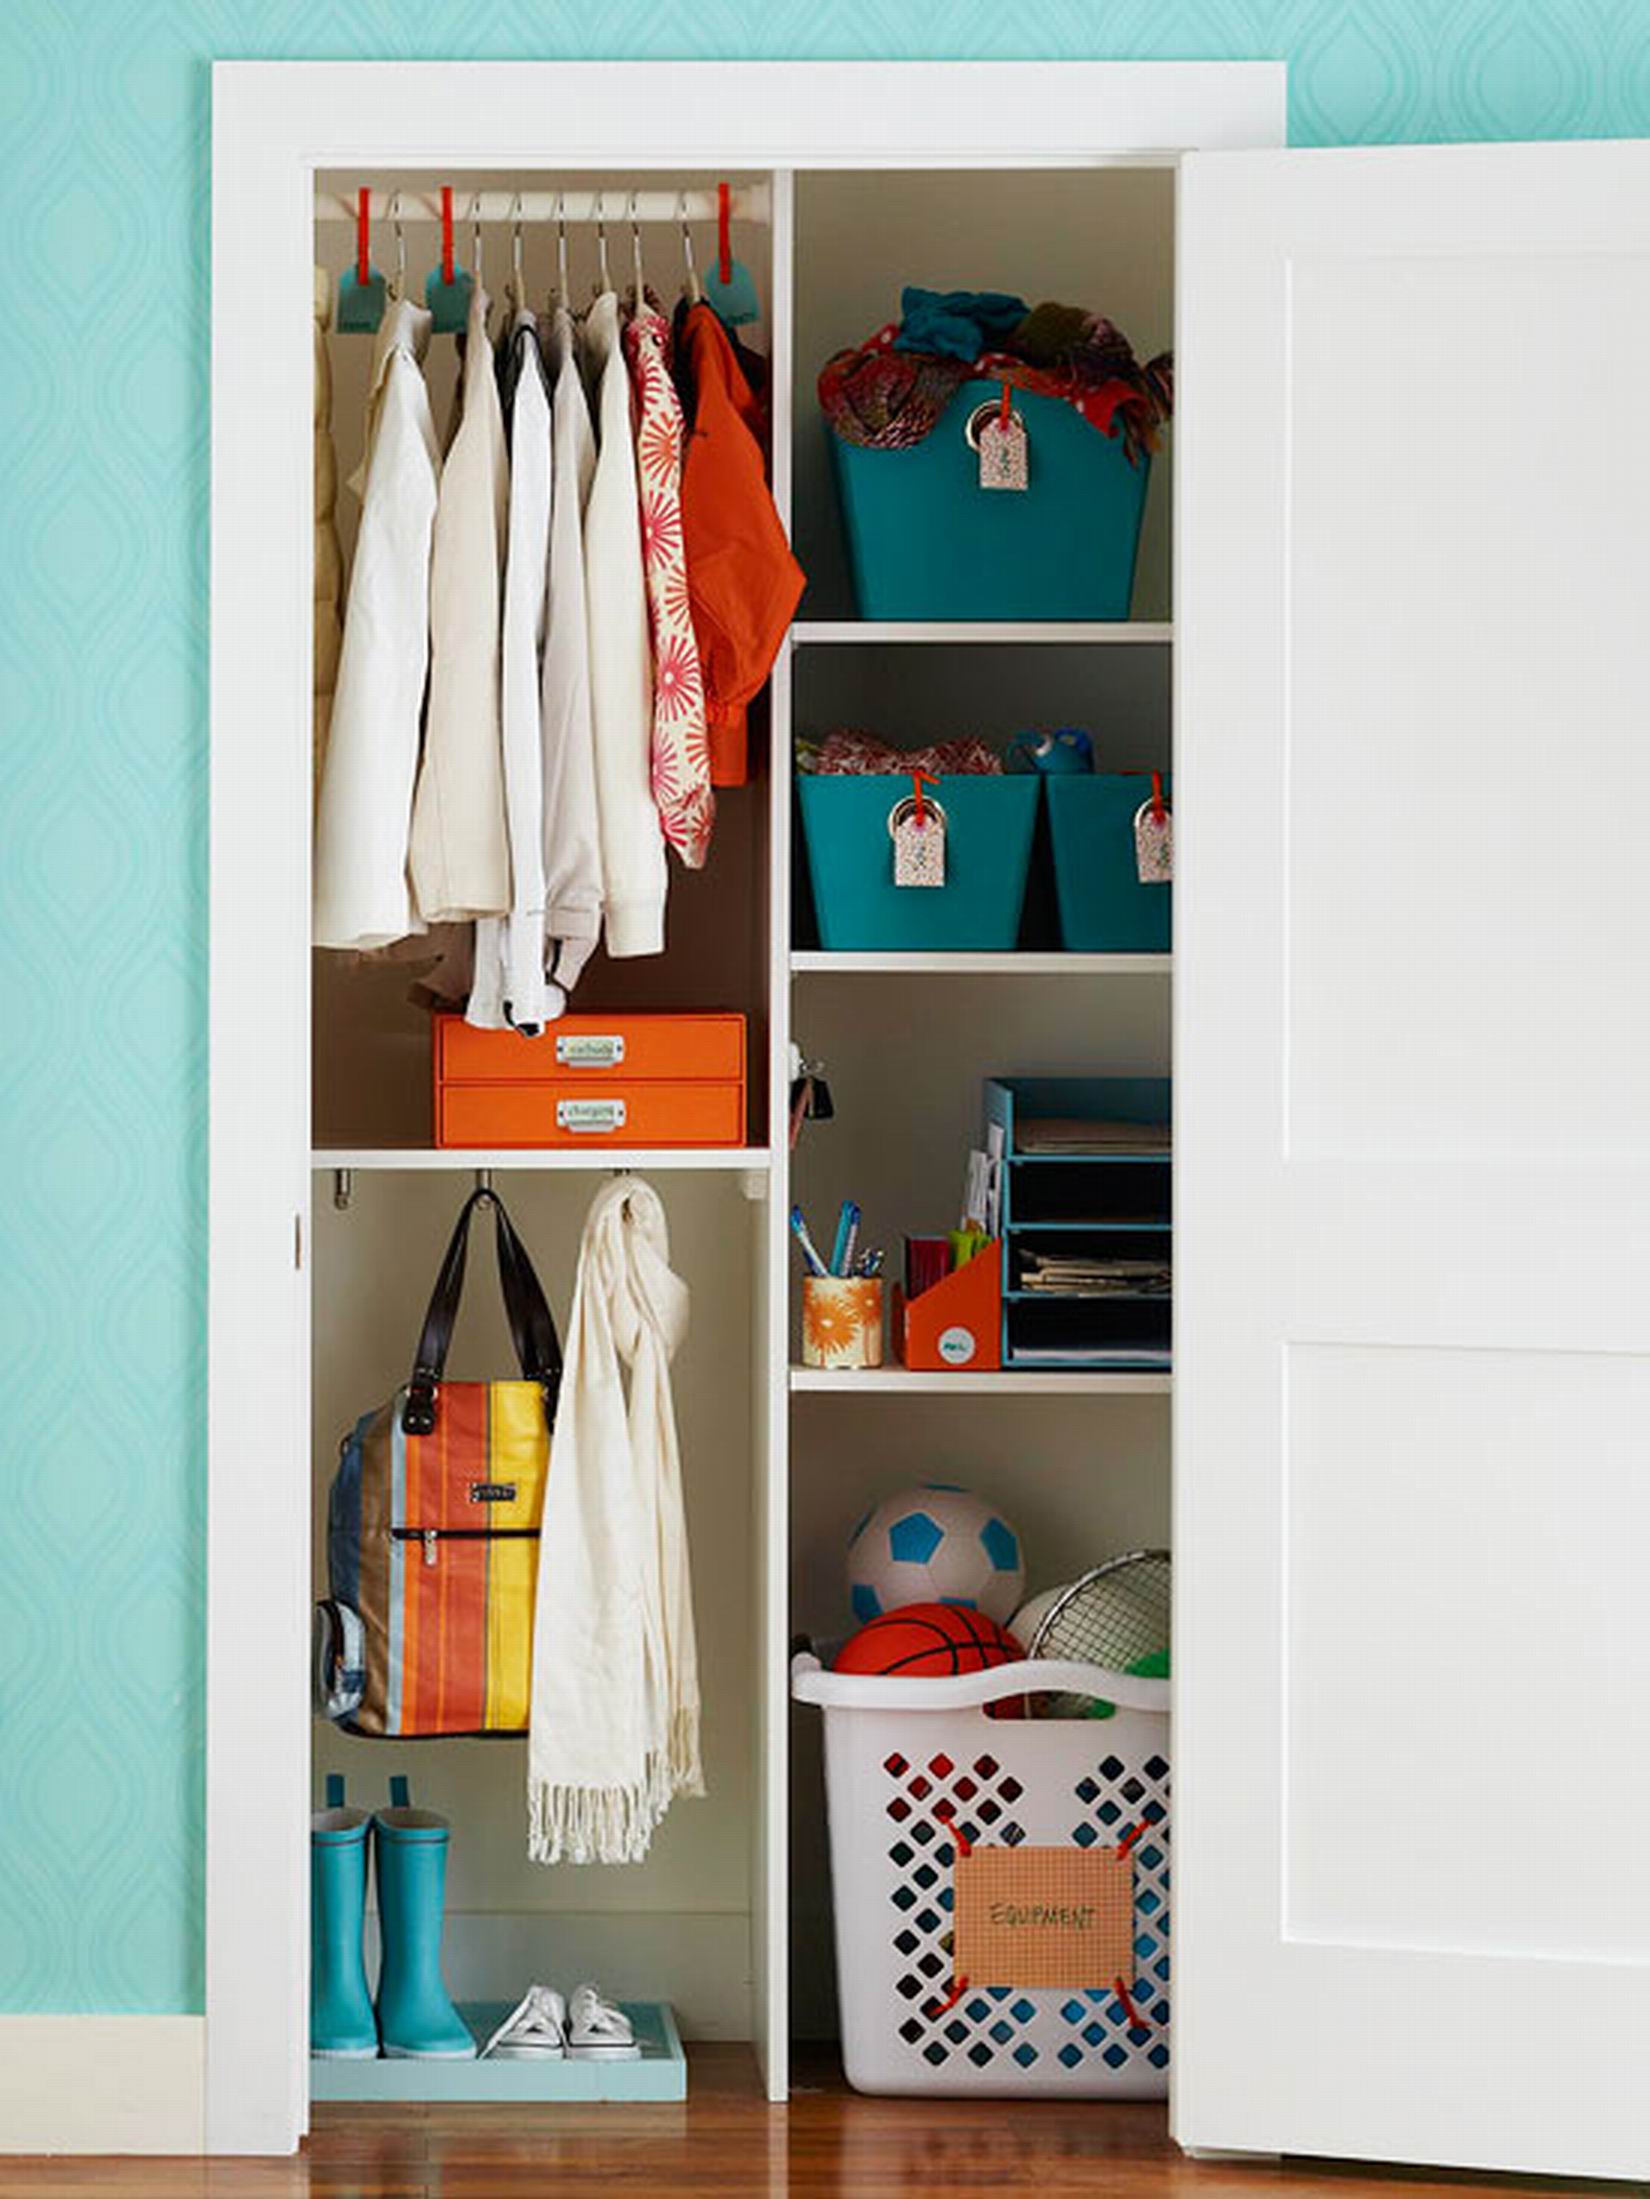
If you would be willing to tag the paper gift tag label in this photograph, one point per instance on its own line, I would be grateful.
(919, 845)
(1153, 845)
(1044, 1917)
(1005, 456)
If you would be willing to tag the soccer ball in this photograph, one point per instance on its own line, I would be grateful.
(936, 1544)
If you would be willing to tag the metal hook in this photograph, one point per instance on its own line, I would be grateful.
(636, 253)
(562, 295)
(517, 276)
(475, 233)
(400, 247)
(484, 1183)
(691, 285)
(343, 1188)
(600, 209)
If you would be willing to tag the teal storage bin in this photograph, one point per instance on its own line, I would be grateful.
(927, 542)
(1104, 909)
(988, 828)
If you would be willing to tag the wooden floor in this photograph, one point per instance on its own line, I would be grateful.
(727, 2140)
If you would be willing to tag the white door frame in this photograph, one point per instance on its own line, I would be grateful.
(274, 125)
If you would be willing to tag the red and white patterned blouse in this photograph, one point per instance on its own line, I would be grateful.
(681, 746)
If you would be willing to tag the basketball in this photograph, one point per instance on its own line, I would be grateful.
(928, 1641)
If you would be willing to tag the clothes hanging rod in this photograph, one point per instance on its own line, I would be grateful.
(580, 208)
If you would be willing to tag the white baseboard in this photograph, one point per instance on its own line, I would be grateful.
(102, 2084)
(700, 1963)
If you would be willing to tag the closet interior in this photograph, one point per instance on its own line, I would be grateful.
(729, 1919)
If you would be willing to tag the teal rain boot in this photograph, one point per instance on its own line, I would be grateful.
(341, 2026)
(416, 2020)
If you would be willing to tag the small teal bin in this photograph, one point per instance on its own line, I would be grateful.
(1104, 909)
(927, 542)
(988, 828)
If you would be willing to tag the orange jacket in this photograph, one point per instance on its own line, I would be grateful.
(743, 582)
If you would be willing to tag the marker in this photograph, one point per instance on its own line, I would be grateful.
(799, 1230)
(847, 1229)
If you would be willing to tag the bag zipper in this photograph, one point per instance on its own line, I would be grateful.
(430, 1536)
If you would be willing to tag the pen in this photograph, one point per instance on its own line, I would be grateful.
(799, 1229)
(847, 1229)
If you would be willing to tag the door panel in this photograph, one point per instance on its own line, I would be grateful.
(1413, 1156)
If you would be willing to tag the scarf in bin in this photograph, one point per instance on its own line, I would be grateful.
(614, 1731)
(889, 392)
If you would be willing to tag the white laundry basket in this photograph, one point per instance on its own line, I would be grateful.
(906, 1760)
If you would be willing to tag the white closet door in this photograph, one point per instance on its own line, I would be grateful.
(1412, 1899)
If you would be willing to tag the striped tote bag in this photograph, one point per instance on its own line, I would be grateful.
(433, 1526)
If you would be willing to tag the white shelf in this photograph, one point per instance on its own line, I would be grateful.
(983, 965)
(870, 631)
(744, 1157)
(1054, 1382)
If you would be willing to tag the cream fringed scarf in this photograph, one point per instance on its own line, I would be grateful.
(614, 1736)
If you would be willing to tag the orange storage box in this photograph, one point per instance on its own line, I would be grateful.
(645, 1080)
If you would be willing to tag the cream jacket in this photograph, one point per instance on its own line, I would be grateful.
(460, 855)
(361, 895)
(329, 560)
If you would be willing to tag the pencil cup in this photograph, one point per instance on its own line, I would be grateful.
(841, 1321)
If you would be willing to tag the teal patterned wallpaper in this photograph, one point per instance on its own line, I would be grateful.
(104, 125)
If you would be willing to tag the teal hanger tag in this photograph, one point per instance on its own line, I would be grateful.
(360, 304)
(449, 302)
(335, 1790)
(734, 302)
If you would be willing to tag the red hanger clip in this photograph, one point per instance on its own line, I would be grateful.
(363, 235)
(447, 233)
(724, 239)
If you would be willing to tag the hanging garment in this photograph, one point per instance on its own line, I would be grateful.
(572, 849)
(460, 854)
(329, 558)
(509, 971)
(614, 1727)
(681, 753)
(743, 582)
(621, 664)
(362, 818)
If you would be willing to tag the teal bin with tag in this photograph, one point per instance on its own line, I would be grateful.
(925, 541)
(988, 823)
(1104, 908)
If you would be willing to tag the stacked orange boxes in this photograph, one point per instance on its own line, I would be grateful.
(592, 1080)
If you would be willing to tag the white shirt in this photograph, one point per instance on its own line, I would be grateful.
(621, 659)
(510, 950)
(572, 851)
(361, 826)
(460, 855)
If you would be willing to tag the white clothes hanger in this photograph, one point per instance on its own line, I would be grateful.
(690, 283)
(605, 281)
(636, 254)
(400, 247)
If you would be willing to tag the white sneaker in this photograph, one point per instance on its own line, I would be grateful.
(534, 2031)
(597, 2031)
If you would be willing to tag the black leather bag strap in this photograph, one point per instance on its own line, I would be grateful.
(532, 1330)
